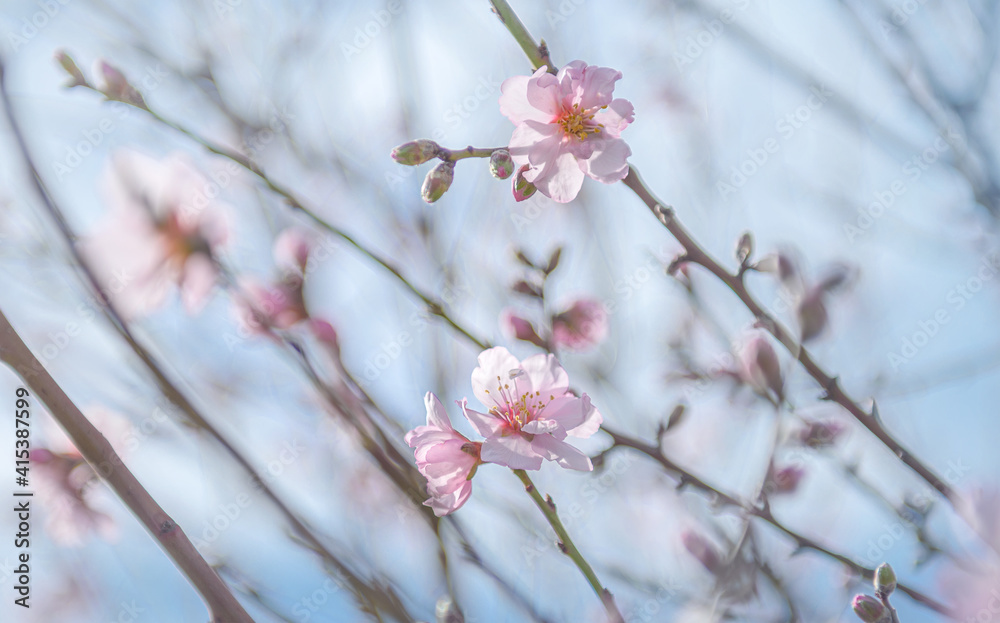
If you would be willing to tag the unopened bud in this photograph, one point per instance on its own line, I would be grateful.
(868, 609)
(885, 580)
(760, 367)
(703, 550)
(115, 86)
(520, 328)
(501, 164)
(744, 248)
(812, 314)
(70, 66)
(522, 188)
(415, 152)
(447, 611)
(438, 181)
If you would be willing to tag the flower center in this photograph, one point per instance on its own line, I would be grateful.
(516, 411)
(579, 123)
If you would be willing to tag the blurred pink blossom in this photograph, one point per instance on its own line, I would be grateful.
(583, 325)
(703, 550)
(291, 250)
(261, 308)
(163, 230)
(530, 411)
(568, 127)
(783, 480)
(445, 457)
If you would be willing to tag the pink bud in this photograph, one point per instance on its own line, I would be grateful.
(760, 367)
(291, 249)
(702, 549)
(115, 86)
(812, 314)
(69, 65)
(784, 480)
(521, 187)
(817, 434)
(501, 164)
(415, 152)
(519, 328)
(583, 325)
(868, 609)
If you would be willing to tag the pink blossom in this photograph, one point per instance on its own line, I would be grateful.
(530, 411)
(783, 480)
(260, 308)
(445, 457)
(291, 250)
(61, 488)
(162, 232)
(583, 325)
(568, 127)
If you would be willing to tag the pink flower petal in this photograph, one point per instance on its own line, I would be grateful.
(615, 118)
(485, 424)
(562, 453)
(514, 452)
(493, 372)
(514, 102)
(609, 163)
(561, 180)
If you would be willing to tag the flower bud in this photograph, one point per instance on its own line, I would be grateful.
(438, 181)
(812, 314)
(760, 367)
(784, 480)
(885, 580)
(415, 152)
(520, 328)
(501, 164)
(447, 611)
(70, 66)
(744, 248)
(820, 434)
(115, 86)
(703, 550)
(868, 609)
(522, 188)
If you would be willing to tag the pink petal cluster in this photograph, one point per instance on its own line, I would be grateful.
(568, 127)
(583, 325)
(281, 305)
(529, 412)
(163, 231)
(445, 457)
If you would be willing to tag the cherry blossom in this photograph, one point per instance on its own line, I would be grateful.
(583, 325)
(445, 457)
(568, 127)
(530, 412)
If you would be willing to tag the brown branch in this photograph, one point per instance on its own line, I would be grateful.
(222, 606)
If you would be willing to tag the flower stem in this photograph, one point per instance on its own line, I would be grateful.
(548, 508)
(537, 54)
(451, 155)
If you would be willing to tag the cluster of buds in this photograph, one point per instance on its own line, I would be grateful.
(439, 179)
(109, 80)
(877, 609)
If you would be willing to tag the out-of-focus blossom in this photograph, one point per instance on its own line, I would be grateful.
(783, 480)
(583, 325)
(819, 434)
(446, 458)
(64, 483)
(291, 250)
(530, 411)
(163, 231)
(974, 592)
(759, 366)
(568, 127)
(110, 81)
(519, 328)
(703, 550)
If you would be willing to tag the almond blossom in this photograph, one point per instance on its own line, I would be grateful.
(529, 412)
(445, 457)
(583, 325)
(163, 231)
(567, 127)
